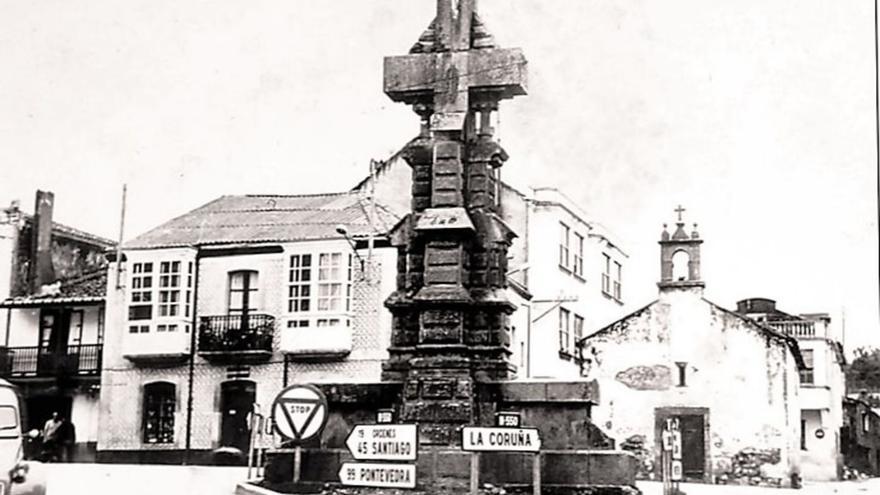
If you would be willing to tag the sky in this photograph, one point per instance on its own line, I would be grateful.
(757, 116)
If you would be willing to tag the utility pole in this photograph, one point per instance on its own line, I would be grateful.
(119, 245)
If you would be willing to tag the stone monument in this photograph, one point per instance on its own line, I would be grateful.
(450, 313)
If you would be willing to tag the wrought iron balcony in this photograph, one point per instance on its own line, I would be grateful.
(29, 362)
(228, 335)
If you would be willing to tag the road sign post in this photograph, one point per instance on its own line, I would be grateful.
(381, 442)
(299, 413)
(476, 439)
(378, 475)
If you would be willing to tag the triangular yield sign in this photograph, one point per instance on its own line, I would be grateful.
(299, 413)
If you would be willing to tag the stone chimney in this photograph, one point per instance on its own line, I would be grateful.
(41, 271)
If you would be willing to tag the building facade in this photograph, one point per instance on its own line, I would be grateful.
(731, 382)
(575, 272)
(860, 435)
(566, 272)
(53, 280)
(822, 384)
(222, 307)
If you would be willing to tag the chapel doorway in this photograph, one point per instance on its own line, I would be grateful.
(694, 426)
(236, 403)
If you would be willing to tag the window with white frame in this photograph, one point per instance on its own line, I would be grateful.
(564, 233)
(578, 328)
(564, 330)
(617, 272)
(300, 289)
(169, 288)
(141, 294)
(578, 259)
(807, 372)
(606, 274)
(319, 289)
(242, 292)
(333, 286)
(159, 293)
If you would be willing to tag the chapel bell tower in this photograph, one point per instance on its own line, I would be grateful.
(680, 257)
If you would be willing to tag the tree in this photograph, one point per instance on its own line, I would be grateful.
(864, 374)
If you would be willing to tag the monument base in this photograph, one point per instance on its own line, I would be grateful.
(575, 457)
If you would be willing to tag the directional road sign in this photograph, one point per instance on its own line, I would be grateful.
(383, 442)
(378, 475)
(299, 412)
(481, 439)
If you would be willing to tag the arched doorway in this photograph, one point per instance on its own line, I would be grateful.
(236, 403)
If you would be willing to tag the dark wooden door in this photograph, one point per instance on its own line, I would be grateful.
(693, 448)
(236, 402)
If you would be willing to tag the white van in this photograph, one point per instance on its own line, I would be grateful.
(17, 476)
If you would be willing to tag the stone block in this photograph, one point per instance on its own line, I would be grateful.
(411, 389)
(455, 411)
(440, 335)
(443, 256)
(438, 389)
(444, 199)
(443, 275)
(447, 149)
(447, 182)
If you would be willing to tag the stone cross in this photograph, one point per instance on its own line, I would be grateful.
(679, 210)
(453, 68)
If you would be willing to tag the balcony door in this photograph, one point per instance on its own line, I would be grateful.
(58, 328)
(242, 295)
(236, 403)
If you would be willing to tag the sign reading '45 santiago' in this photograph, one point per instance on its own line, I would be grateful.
(383, 442)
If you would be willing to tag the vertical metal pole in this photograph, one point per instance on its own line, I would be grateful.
(475, 473)
(536, 474)
(192, 358)
(297, 463)
(119, 245)
(250, 455)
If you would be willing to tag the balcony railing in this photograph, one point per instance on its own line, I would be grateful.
(795, 328)
(236, 334)
(76, 360)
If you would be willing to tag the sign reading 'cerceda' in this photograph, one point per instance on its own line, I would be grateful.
(481, 439)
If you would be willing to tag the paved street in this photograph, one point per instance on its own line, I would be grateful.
(89, 479)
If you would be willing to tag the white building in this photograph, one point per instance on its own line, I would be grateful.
(574, 270)
(222, 307)
(822, 385)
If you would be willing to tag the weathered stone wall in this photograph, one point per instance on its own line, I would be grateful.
(747, 382)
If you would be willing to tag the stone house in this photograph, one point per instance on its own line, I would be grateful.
(822, 384)
(566, 272)
(860, 435)
(53, 280)
(731, 382)
(222, 307)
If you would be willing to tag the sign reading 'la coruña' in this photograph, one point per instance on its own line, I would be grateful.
(479, 439)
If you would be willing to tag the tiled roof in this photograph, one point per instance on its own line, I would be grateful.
(85, 289)
(267, 218)
(75, 234)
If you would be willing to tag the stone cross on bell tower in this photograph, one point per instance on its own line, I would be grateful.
(450, 312)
